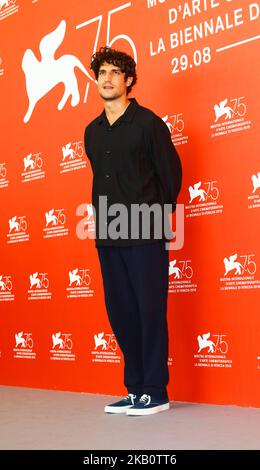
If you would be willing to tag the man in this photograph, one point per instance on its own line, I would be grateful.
(134, 164)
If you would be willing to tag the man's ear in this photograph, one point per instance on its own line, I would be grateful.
(129, 81)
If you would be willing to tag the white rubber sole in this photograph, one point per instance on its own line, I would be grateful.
(116, 409)
(147, 411)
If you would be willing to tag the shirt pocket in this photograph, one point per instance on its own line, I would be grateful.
(129, 186)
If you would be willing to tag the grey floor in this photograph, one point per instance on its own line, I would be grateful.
(42, 419)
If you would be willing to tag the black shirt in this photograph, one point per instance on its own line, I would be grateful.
(134, 161)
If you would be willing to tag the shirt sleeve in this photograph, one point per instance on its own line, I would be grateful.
(86, 144)
(166, 161)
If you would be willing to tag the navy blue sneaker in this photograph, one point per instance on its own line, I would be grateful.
(123, 405)
(148, 405)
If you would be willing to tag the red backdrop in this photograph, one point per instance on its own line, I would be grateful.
(198, 69)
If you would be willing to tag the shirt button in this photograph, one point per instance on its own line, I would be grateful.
(107, 176)
(108, 152)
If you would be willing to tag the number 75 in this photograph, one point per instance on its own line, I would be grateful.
(110, 41)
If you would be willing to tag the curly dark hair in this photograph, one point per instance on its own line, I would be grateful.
(120, 59)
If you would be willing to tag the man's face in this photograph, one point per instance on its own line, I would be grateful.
(111, 82)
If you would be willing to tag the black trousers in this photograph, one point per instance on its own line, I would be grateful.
(135, 280)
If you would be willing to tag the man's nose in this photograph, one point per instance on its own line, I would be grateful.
(108, 75)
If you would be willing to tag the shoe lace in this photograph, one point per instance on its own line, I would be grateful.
(131, 397)
(145, 398)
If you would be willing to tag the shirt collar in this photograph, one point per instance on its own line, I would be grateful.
(126, 116)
